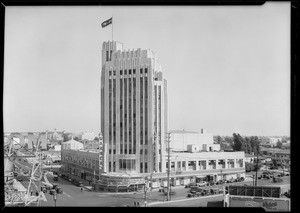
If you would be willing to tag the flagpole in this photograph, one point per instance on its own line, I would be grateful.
(112, 27)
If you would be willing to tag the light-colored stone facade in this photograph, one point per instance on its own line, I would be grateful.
(80, 163)
(133, 110)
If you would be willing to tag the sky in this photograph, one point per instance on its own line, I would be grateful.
(227, 67)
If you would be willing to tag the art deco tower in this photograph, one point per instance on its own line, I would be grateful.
(133, 110)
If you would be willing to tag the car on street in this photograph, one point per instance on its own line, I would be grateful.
(52, 191)
(20, 178)
(172, 192)
(59, 190)
(220, 182)
(80, 184)
(203, 183)
(196, 189)
(55, 177)
(192, 184)
(54, 185)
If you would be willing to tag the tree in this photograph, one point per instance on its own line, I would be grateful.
(274, 163)
(249, 167)
(238, 142)
(76, 138)
(279, 144)
(96, 139)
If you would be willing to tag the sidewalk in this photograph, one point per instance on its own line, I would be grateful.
(86, 184)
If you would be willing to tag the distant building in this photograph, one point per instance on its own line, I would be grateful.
(182, 139)
(249, 158)
(71, 144)
(89, 136)
(282, 157)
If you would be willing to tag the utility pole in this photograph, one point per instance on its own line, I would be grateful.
(256, 163)
(168, 171)
(145, 192)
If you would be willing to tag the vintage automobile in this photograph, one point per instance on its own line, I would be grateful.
(196, 189)
(55, 177)
(54, 186)
(44, 189)
(80, 184)
(194, 194)
(192, 184)
(59, 190)
(220, 182)
(52, 191)
(203, 183)
(277, 180)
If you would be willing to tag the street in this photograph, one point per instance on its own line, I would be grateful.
(73, 196)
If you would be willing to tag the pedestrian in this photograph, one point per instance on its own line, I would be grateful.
(138, 203)
(36, 193)
(81, 189)
(134, 203)
(31, 193)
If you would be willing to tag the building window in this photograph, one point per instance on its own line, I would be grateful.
(114, 72)
(141, 168)
(133, 71)
(141, 71)
(141, 151)
(146, 70)
(129, 72)
(125, 72)
(146, 167)
(120, 72)
(146, 151)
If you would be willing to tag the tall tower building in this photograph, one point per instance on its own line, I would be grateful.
(133, 110)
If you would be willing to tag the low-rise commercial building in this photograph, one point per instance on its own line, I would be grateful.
(80, 162)
(185, 167)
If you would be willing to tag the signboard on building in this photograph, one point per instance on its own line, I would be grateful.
(269, 204)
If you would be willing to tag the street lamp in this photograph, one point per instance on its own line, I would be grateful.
(221, 175)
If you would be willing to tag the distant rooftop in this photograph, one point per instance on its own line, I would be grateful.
(182, 131)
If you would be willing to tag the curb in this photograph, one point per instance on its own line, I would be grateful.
(186, 199)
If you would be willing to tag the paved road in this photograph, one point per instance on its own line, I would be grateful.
(73, 196)
(189, 202)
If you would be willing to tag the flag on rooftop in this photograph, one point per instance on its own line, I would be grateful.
(107, 22)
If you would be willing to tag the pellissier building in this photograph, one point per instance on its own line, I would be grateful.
(134, 125)
(133, 110)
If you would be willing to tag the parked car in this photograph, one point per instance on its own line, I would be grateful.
(189, 185)
(20, 178)
(80, 184)
(171, 192)
(277, 180)
(55, 177)
(280, 175)
(220, 182)
(196, 189)
(75, 182)
(59, 190)
(52, 191)
(203, 183)
(44, 189)
(194, 194)
(54, 186)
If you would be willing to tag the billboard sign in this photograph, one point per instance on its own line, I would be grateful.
(268, 204)
(255, 191)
